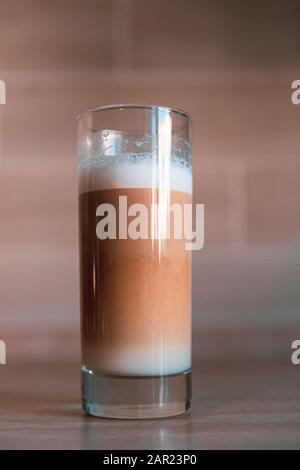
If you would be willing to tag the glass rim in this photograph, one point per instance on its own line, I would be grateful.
(145, 106)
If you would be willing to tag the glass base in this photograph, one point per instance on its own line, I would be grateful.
(133, 397)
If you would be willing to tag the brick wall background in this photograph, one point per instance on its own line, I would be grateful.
(230, 64)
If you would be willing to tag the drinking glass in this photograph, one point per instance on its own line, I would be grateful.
(135, 179)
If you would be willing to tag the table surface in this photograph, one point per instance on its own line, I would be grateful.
(235, 406)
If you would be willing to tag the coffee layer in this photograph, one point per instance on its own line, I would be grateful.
(135, 294)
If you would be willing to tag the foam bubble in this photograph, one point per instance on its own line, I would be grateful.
(134, 171)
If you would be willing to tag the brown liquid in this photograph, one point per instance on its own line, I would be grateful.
(135, 294)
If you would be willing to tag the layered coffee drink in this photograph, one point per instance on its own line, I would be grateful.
(135, 290)
(135, 200)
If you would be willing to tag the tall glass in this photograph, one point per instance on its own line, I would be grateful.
(135, 178)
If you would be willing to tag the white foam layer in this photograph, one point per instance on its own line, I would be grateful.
(140, 360)
(123, 174)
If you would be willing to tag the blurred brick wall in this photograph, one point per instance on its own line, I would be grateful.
(228, 64)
